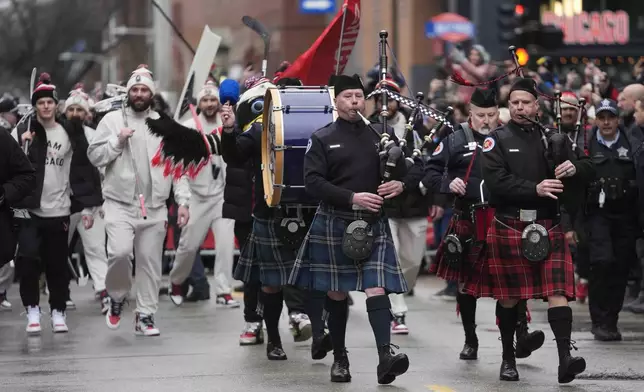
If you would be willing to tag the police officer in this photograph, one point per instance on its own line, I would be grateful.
(527, 257)
(573, 126)
(349, 246)
(458, 154)
(611, 218)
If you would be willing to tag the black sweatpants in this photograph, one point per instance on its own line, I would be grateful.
(43, 247)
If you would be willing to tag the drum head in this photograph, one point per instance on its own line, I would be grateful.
(272, 135)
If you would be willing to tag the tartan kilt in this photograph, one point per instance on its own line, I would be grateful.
(466, 273)
(322, 265)
(263, 257)
(508, 275)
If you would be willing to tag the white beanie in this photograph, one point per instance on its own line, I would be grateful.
(208, 90)
(78, 97)
(141, 75)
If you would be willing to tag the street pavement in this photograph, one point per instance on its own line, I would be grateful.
(198, 350)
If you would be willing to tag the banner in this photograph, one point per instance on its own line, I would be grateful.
(315, 66)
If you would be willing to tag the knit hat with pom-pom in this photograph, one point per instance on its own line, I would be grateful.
(44, 89)
(78, 97)
(143, 76)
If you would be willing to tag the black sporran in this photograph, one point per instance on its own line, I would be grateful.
(357, 241)
(535, 243)
(453, 250)
(291, 232)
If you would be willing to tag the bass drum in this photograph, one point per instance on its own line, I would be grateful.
(291, 115)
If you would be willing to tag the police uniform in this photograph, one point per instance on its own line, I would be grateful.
(459, 156)
(611, 224)
(342, 159)
(538, 266)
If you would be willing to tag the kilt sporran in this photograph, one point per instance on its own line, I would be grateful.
(535, 243)
(357, 242)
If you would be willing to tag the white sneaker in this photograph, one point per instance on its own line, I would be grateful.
(300, 326)
(58, 321)
(4, 304)
(398, 326)
(176, 294)
(144, 325)
(70, 305)
(33, 320)
(228, 301)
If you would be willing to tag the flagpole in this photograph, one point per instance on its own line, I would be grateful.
(344, 18)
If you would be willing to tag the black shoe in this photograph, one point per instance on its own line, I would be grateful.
(469, 352)
(605, 334)
(528, 343)
(509, 370)
(275, 352)
(391, 365)
(320, 347)
(340, 368)
(198, 295)
(570, 367)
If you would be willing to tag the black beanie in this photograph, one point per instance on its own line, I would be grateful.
(44, 89)
(483, 98)
(344, 82)
(525, 84)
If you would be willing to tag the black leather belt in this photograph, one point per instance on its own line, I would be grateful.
(525, 215)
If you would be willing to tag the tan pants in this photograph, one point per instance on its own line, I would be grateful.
(129, 235)
(409, 238)
(93, 246)
(205, 214)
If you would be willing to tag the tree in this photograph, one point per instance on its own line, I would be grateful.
(33, 33)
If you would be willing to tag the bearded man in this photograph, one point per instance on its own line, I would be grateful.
(135, 208)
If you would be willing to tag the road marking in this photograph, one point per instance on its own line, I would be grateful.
(439, 388)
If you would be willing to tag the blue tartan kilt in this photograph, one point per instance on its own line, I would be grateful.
(322, 265)
(263, 257)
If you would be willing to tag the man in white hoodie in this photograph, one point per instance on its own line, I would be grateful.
(206, 208)
(94, 239)
(135, 208)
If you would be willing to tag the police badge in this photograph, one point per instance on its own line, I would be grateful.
(357, 242)
(535, 243)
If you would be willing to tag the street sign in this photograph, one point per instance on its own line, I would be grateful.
(442, 29)
(317, 6)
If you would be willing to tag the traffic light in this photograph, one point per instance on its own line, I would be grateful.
(510, 19)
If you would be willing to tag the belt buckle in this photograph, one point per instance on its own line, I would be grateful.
(527, 215)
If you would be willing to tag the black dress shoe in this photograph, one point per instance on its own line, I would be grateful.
(198, 295)
(528, 343)
(321, 346)
(391, 365)
(275, 352)
(509, 370)
(340, 368)
(570, 367)
(469, 352)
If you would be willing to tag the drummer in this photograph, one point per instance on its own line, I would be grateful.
(460, 155)
(266, 257)
(342, 168)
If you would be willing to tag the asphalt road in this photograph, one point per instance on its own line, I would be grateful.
(198, 350)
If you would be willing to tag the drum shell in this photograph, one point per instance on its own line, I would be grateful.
(482, 217)
(302, 111)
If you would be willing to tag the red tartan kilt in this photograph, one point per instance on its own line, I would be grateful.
(510, 276)
(468, 271)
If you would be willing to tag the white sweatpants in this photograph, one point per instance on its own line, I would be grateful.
(409, 238)
(6, 277)
(94, 241)
(129, 235)
(205, 214)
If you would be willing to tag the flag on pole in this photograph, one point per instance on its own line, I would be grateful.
(315, 66)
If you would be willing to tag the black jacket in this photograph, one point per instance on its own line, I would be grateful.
(17, 178)
(84, 178)
(238, 193)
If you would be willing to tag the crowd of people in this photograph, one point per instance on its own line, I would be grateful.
(533, 184)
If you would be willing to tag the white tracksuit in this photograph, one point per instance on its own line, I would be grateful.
(206, 205)
(128, 233)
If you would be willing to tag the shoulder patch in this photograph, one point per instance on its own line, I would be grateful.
(308, 145)
(438, 149)
(488, 144)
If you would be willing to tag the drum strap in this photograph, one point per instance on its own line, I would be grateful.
(469, 136)
(469, 167)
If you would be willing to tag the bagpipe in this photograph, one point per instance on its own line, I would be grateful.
(390, 151)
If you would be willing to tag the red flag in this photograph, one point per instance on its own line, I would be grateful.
(315, 66)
